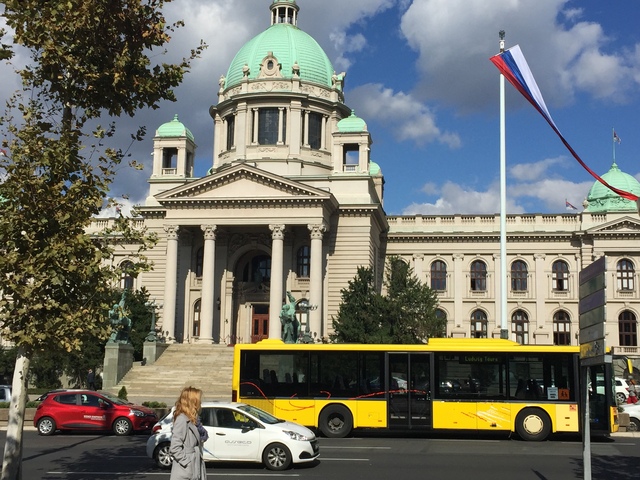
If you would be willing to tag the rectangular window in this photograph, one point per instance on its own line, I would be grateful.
(541, 377)
(268, 126)
(231, 131)
(315, 130)
(471, 376)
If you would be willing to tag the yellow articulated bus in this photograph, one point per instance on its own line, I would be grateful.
(447, 384)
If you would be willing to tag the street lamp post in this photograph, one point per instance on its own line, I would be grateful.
(305, 307)
(152, 336)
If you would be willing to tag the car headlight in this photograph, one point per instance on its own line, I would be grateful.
(137, 413)
(297, 436)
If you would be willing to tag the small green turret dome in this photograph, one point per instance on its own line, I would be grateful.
(174, 128)
(374, 169)
(293, 49)
(352, 123)
(602, 199)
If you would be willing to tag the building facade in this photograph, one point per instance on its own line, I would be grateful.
(293, 203)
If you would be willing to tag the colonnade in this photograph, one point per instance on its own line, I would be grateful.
(276, 287)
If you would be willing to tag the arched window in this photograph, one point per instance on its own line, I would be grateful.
(258, 270)
(520, 327)
(560, 276)
(127, 279)
(561, 328)
(625, 273)
(478, 324)
(478, 276)
(628, 328)
(303, 261)
(438, 275)
(196, 318)
(519, 275)
(199, 262)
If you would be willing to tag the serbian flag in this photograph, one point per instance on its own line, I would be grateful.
(568, 205)
(515, 69)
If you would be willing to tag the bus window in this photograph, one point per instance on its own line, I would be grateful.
(541, 377)
(334, 374)
(470, 376)
(267, 374)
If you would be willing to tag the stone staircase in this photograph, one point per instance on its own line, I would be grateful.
(207, 367)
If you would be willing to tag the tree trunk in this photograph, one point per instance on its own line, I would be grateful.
(12, 461)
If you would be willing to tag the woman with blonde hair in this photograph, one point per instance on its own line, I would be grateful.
(188, 437)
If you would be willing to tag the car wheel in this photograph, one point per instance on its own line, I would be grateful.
(162, 456)
(46, 426)
(621, 397)
(122, 426)
(276, 457)
(634, 425)
(533, 424)
(336, 421)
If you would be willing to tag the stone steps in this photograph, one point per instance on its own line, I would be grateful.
(208, 367)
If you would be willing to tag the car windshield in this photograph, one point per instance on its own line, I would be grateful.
(113, 399)
(260, 414)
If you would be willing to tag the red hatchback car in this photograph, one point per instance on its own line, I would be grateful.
(89, 410)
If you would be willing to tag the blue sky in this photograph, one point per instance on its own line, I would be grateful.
(418, 72)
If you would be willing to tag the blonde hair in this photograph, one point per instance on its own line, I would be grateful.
(188, 403)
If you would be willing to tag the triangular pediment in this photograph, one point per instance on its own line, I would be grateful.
(242, 182)
(619, 225)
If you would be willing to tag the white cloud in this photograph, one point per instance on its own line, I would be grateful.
(455, 38)
(533, 171)
(404, 115)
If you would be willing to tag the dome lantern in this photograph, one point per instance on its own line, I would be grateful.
(284, 11)
(603, 199)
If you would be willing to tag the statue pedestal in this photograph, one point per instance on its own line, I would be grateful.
(151, 351)
(118, 360)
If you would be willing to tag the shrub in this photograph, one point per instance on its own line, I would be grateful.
(122, 394)
(154, 404)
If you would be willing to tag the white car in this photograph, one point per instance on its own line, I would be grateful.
(634, 416)
(241, 433)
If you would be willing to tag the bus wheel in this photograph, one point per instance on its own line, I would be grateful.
(336, 421)
(533, 424)
(634, 425)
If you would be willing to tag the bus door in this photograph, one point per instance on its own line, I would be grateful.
(408, 388)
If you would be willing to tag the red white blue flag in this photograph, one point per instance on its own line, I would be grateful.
(568, 205)
(616, 138)
(515, 69)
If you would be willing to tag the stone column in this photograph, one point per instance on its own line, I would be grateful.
(280, 125)
(277, 281)
(418, 261)
(208, 264)
(254, 139)
(305, 140)
(170, 284)
(315, 279)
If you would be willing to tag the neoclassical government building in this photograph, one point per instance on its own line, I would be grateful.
(293, 203)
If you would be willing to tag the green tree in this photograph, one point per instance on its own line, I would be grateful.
(88, 59)
(362, 314)
(406, 315)
(411, 306)
(140, 316)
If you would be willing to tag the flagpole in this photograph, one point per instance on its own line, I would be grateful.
(613, 141)
(504, 333)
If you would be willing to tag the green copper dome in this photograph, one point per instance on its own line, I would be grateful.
(174, 128)
(374, 169)
(289, 45)
(602, 199)
(352, 123)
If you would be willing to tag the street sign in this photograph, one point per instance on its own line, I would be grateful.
(592, 349)
(591, 301)
(592, 317)
(596, 268)
(591, 333)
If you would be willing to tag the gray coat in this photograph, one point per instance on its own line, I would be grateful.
(186, 451)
